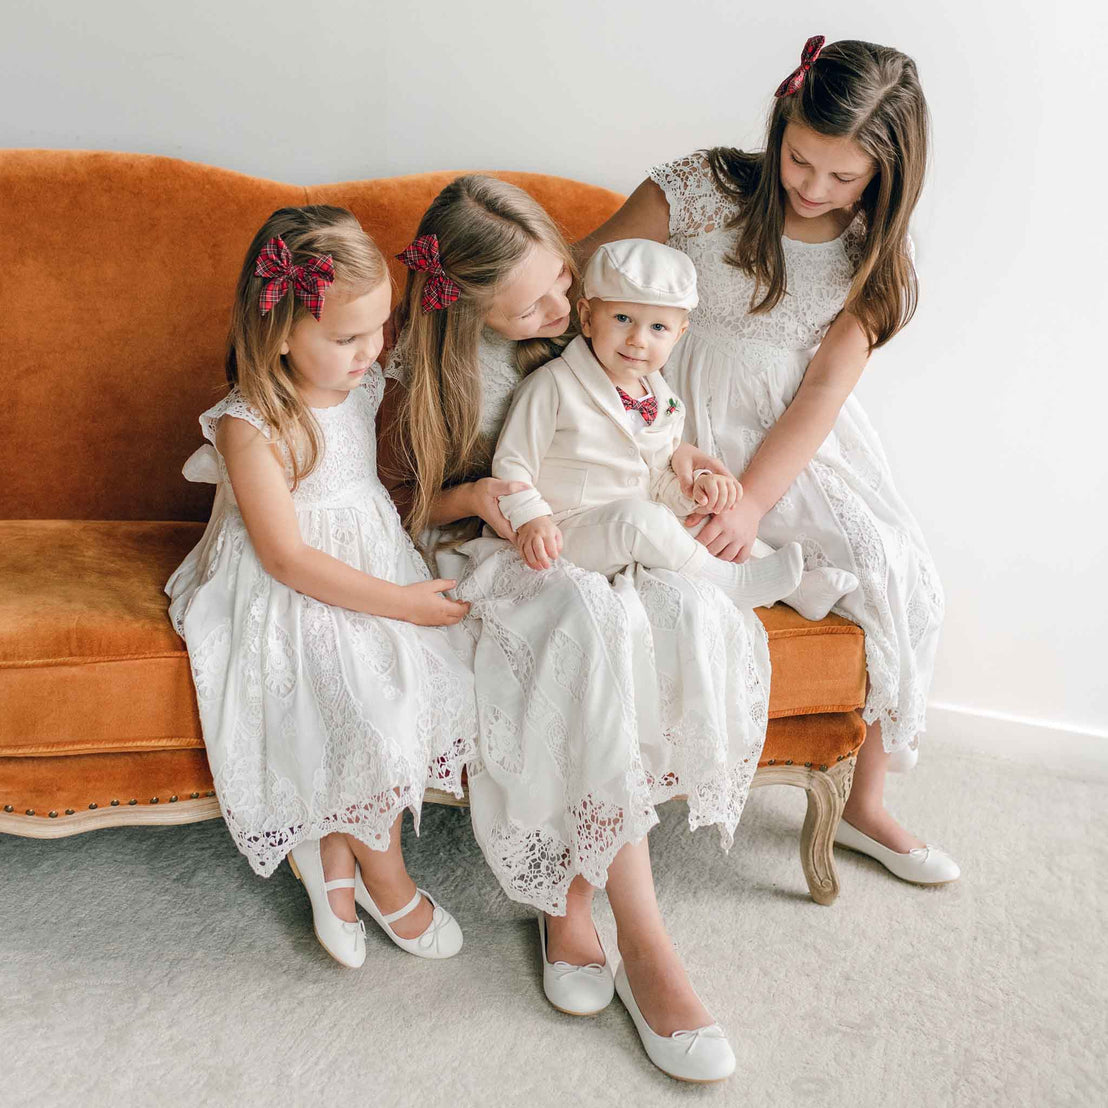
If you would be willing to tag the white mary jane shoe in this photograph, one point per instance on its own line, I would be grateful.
(443, 937)
(575, 990)
(702, 1056)
(903, 760)
(926, 865)
(344, 941)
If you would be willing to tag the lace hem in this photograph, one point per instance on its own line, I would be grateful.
(535, 867)
(368, 821)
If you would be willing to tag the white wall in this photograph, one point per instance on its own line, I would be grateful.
(991, 404)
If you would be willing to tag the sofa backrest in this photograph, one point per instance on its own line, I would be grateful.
(115, 293)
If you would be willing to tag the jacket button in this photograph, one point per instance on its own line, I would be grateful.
(630, 482)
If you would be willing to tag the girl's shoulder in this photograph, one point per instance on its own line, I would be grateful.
(234, 404)
(697, 203)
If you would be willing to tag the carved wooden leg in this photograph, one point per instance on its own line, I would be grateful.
(827, 793)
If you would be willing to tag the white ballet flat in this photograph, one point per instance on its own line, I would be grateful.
(443, 937)
(903, 760)
(344, 941)
(701, 1056)
(575, 990)
(926, 865)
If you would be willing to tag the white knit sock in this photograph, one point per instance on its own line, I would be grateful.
(820, 590)
(757, 582)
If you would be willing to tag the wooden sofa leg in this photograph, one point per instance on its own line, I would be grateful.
(827, 793)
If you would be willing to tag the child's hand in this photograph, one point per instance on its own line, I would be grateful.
(714, 492)
(540, 542)
(424, 604)
(687, 459)
(730, 534)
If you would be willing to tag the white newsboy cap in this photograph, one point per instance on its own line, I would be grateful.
(641, 271)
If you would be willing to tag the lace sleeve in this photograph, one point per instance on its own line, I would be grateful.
(396, 365)
(696, 205)
(233, 404)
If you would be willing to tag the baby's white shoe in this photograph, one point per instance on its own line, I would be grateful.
(443, 937)
(344, 941)
(575, 990)
(702, 1055)
(926, 865)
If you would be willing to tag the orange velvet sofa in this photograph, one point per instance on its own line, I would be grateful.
(115, 295)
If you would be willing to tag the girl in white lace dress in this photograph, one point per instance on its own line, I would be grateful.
(805, 266)
(596, 701)
(326, 708)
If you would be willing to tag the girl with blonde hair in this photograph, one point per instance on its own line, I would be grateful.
(331, 685)
(596, 700)
(806, 268)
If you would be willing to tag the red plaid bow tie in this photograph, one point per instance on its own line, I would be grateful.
(795, 79)
(309, 280)
(647, 407)
(423, 256)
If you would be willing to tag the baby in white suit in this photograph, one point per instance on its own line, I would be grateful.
(593, 434)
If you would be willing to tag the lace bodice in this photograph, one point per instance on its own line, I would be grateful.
(349, 458)
(499, 376)
(818, 274)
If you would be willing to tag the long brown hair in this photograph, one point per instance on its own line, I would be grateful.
(872, 95)
(485, 228)
(254, 360)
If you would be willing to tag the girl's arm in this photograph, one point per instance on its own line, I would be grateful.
(793, 440)
(644, 215)
(258, 481)
(472, 498)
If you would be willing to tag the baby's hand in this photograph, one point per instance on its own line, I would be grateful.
(715, 492)
(539, 541)
(425, 605)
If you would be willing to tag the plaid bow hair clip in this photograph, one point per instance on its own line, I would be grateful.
(423, 257)
(808, 55)
(309, 281)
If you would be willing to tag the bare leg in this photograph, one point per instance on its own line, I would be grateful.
(654, 970)
(572, 937)
(386, 878)
(865, 807)
(338, 861)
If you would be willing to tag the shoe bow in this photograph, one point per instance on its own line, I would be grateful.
(712, 1031)
(566, 969)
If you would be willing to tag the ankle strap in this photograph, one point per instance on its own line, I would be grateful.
(339, 883)
(409, 907)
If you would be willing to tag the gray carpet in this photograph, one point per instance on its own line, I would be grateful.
(150, 967)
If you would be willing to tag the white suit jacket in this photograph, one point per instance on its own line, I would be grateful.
(565, 435)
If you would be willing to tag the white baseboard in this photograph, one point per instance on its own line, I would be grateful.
(1015, 736)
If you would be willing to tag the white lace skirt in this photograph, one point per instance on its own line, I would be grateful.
(316, 718)
(844, 511)
(597, 701)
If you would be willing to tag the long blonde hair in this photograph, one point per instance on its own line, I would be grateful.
(485, 228)
(254, 360)
(872, 95)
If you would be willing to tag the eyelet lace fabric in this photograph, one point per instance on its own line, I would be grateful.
(596, 701)
(318, 718)
(738, 372)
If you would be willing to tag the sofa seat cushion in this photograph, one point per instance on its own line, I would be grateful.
(89, 661)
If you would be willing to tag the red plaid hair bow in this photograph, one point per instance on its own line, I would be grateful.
(808, 55)
(423, 256)
(647, 407)
(309, 281)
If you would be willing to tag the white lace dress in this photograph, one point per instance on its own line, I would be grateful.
(737, 373)
(317, 718)
(597, 701)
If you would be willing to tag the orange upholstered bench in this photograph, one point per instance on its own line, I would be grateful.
(116, 289)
